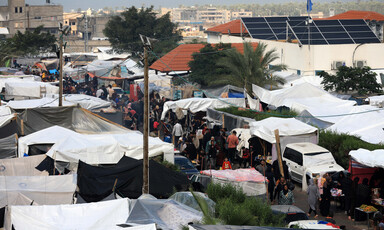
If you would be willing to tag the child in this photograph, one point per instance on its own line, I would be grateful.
(226, 164)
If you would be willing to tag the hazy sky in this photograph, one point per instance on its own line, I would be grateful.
(98, 4)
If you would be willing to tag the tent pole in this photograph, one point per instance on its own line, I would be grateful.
(277, 136)
(146, 124)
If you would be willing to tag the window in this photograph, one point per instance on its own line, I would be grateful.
(37, 17)
(294, 156)
(16, 11)
(21, 10)
(19, 25)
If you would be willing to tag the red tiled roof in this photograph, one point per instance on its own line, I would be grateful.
(232, 27)
(178, 58)
(354, 14)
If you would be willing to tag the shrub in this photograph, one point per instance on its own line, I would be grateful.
(217, 191)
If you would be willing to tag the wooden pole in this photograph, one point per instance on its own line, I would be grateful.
(146, 126)
(279, 158)
(61, 68)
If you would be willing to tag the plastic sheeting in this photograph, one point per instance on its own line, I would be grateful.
(42, 189)
(166, 214)
(188, 199)
(106, 148)
(36, 103)
(8, 147)
(230, 121)
(365, 121)
(25, 166)
(28, 89)
(92, 216)
(201, 104)
(6, 115)
(372, 159)
(244, 135)
(224, 92)
(250, 180)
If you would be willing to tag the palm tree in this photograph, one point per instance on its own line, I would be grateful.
(253, 66)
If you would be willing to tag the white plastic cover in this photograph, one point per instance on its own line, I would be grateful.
(372, 159)
(105, 148)
(201, 104)
(365, 121)
(8, 147)
(90, 216)
(6, 115)
(42, 189)
(28, 88)
(188, 199)
(35, 103)
(250, 180)
(244, 135)
(25, 166)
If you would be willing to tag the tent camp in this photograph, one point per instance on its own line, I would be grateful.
(227, 120)
(25, 166)
(250, 180)
(306, 96)
(365, 121)
(290, 131)
(90, 216)
(95, 183)
(166, 214)
(201, 104)
(365, 164)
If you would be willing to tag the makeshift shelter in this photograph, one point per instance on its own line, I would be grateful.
(249, 180)
(244, 135)
(365, 121)
(166, 214)
(37, 103)
(25, 166)
(95, 183)
(28, 89)
(227, 120)
(201, 104)
(290, 131)
(90, 216)
(8, 147)
(228, 91)
(188, 199)
(364, 163)
(8, 128)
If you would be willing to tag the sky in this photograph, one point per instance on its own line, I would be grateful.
(99, 4)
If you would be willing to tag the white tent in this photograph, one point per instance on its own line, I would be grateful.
(290, 131)
(90, 216)
(201, 104)
(244, 135)
(28, 89)
(35, 103)
(42, 189)
(374, 159)
(6, 115)
(308, 97)
(366, 122)
(25, 166)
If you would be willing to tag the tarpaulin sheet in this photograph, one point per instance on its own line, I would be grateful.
(8, 147)
(25, 166)
(225, 92)
(230, 121)
(250, 180)
(28, 89)
(91, 216)
(188, 199)
(106, 148)
(6, 115)
(36, 103)
(42, 189)
(201, 104)
(167, 214)
(365, 157)
(96, 183)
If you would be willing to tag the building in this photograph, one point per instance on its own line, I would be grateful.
(214, 16)
(241, 13)
(71, 20)
(331, 42)
(16, 15)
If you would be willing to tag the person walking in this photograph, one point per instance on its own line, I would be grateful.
(233, 141)
(211, 152)
(313, 197)
(177, 132)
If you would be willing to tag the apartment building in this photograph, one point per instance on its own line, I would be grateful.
(214, 15)
(16, 15)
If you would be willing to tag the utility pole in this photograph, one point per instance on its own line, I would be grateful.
(86, 33)
(279, 158)
(61, 37)
(147, 45)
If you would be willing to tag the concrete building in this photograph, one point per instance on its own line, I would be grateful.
(71, 20)
(305, 59)
(241, 13)
(214, 15)
(16, 15)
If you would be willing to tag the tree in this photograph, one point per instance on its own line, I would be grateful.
(253, 66)
(352, 79)
(204, 68)
(124, 30)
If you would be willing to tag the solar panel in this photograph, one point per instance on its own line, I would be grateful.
(321, 31)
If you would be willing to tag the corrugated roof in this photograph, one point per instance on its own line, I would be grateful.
(355, 14)
(232, 27)
(178, 58)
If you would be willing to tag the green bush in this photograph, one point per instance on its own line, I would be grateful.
(259, 115)
(233, 213)
(341, 144)
(216, 192)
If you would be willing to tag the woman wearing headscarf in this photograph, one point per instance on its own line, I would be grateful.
(353, 198)
(286, 196)
(325, 203)
(313, 196)
(363, 193)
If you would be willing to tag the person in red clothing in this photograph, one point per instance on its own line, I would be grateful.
(226, 164)
(232, 141)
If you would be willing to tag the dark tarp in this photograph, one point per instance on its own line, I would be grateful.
(8, 129)
(230, 121)
(116, 117)
(95, 183)
(8, 147)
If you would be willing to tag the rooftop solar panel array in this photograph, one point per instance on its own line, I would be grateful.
(322, 32)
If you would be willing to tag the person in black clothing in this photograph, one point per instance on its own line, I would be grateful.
(190, 151)
(340, 184)
(353, 196)
(325, 203)
(363, 193)
(105, 92)
(276, 170)
(271, 182)
(346, 187)
(86, 78)
(278, 188)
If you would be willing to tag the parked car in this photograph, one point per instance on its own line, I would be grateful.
(310, 224)
(310, 159)
(291, 212)
(186, 166)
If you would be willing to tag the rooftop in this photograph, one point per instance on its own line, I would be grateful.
(355, 14)
(232, 27)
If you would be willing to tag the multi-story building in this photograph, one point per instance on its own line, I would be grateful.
(241, 13)
(214, 16)
(71, 20)
(16, 15)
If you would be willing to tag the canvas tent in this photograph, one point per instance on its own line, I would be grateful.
(90, 216)
(28, 89)
(25, 166)
(95, 183)
(250, 180)
(227, 91)
(201, 104)
(228, 120)
(290, 131)
(365, 121)
(166, 214)
(363, 163)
